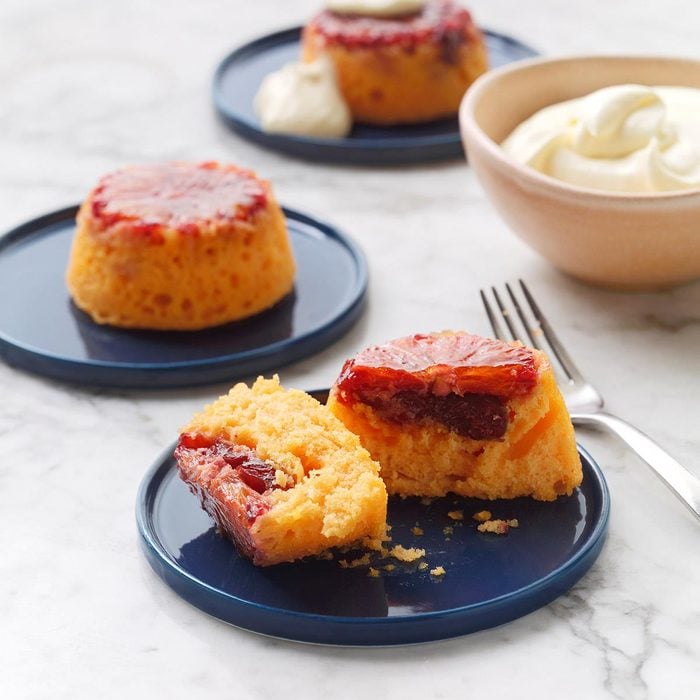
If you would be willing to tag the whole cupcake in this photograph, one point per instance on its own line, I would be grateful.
(179, 246)
(398, 61)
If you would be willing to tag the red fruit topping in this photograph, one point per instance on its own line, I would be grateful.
(476, 416)
(439, 364)
(177, 196)
(259, 475)
(231, 482)
(215, 455)
(254, 509)
(441, 21)
(195, 440)
(459, 380)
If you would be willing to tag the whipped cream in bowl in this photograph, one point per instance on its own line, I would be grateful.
(623, 138)
(591, 167)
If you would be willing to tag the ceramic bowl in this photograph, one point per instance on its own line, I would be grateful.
(623, 241)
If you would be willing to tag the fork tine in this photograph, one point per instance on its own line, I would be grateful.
(559, 350)
(497, 329)
(505, 314)
(523, 318)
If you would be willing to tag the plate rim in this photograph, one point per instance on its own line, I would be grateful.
(155, 553)
(37, 227)
(356, 145)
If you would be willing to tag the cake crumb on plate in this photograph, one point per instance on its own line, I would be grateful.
(482, 516)
(497, 527)
(360, 561)
(406, 554)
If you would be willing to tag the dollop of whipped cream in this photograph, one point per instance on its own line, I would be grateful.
(375, 8)
(303, 99)
(624, 138)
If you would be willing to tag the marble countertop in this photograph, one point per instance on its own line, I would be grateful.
(89, 86)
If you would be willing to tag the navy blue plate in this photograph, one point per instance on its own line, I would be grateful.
(42, 331)
(489, 579)
(239, 75)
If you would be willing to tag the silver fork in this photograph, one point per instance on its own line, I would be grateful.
(585, 404)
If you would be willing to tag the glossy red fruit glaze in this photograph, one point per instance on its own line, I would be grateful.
(439, 364)
(231, 482)
(217, 454)
(441, 21)
(259, 475)
(195, 440)
(476, 416)
(181, 196)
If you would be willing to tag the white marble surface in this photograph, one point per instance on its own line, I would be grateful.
(88, 86)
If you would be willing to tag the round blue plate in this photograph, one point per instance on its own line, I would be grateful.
(42, 331)
(239, 75)
(489, 579)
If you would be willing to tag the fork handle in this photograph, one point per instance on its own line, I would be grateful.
(682, 482)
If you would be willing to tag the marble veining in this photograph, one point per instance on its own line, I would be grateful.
(87, 87)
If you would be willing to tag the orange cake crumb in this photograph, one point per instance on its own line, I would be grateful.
(376, 543)
(437, 571)
(406, 554)
(482, 516)
(456, 514)
(417, 531)
(360, 561)
(497, 527)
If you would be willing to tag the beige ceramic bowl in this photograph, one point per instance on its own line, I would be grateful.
(617, 240)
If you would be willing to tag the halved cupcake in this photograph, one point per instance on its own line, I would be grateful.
(280, 474)
(457, 413)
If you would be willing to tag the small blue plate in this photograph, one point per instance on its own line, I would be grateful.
(489, 579)
(42, 331)
(239, 75)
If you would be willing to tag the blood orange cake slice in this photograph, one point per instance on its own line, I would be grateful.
(457, 413)
(280, 474)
